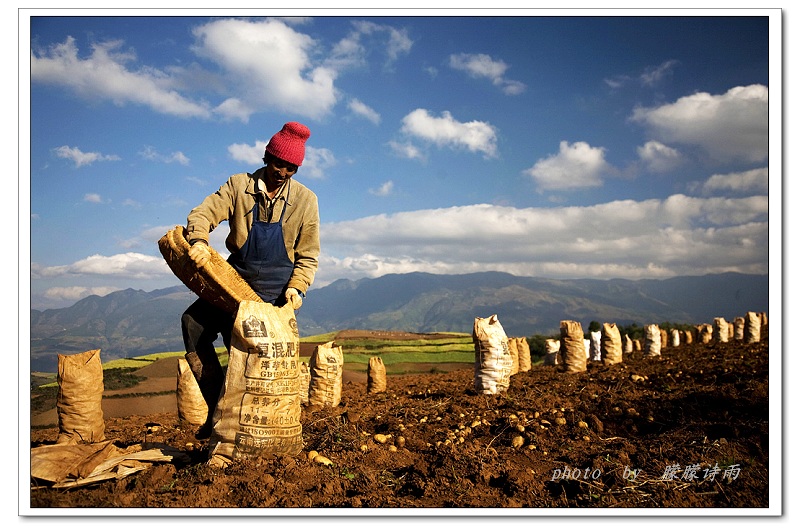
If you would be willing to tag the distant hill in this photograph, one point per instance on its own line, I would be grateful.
(133, 322)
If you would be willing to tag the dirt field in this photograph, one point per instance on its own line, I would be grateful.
(689, 429)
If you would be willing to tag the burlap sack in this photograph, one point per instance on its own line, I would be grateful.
(492, 357)
(524, 353)
(326, 366)
(627, 345)
(595, 338)
(512, 350)
(305, 381)
(637, 345)
(610, 345)
(652, 340)
(216, 282)
(552, 348)
(704, 332)
(720, 330)
(573, 352)
(259, 408)
(663, 334)
(752, 328)
(675, 338)
(192, 408)
(738, 328)
(376, 375)
(80, 395)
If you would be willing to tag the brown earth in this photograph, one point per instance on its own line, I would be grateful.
(697, 406)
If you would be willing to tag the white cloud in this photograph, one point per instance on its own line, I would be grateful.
(128, 265)
(361, 109)
(250, 154)
(754, 181)
(406, 150)
(316, 163)
(483, 66)
(384, 190)
(680, 235)
(659, 158)
(105, 75)
(654, 75)
(92, 198)
(575, 166)
(80, 158)
(275, 60)
(61, 294)
(150, 153)
(446, 131)
(727, 127)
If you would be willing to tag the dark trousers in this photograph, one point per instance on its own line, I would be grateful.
(201, 325)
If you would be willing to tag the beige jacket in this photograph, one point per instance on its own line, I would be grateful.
(234, 202)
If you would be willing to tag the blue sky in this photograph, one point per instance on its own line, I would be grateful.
(613, 146)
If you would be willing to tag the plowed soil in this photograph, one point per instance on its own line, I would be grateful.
(687, 429)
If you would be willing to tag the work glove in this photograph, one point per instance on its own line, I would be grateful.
(294, 298)
(199, 253)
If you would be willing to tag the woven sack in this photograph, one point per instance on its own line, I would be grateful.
(752, 328)
(524, 351)
(552, 348)
(573, 351)
(492, 357)
(738, 328)
(326, 366)
(704, 332)
(376, 376)
(514, 352)
(595, 338)
(720, 330)
(259, 410)
(652, 340)
(216, 282)
(305, 380)
(610, 344)
(192, 408)
(627, 345)
(80, 396)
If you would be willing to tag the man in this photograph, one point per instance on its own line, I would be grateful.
(274, 245)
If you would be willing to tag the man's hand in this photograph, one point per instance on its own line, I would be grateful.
(294, 298)
(199, 253)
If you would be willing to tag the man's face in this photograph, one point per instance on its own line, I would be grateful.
(278, 171)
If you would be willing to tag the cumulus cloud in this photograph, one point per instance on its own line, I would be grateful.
(80, 158)
(277, 62)
(406, 150)
(754, 181)
(575, 166)
(483, 66)
(730, 127)
(127, 265)
(659, 158)
(108, 74)
(446, 131)
(680, 235)
(60, 294)
(359, 108)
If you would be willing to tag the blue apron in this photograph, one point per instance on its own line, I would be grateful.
(263, 261)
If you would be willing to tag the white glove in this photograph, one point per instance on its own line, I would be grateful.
(199, 253)
(294, 298)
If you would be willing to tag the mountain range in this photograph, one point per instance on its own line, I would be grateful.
(131, 322)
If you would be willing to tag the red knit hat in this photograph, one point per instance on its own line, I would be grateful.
(289, 143)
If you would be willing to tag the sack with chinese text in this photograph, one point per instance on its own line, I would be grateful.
(259, 408)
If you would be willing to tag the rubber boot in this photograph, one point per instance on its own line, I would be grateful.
(208, 372)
